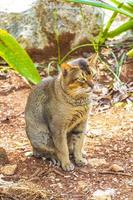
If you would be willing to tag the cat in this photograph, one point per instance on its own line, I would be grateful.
(56, 114)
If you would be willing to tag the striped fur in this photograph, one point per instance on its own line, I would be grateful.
(56, 114)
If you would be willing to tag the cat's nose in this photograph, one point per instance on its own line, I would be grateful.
(91, 83)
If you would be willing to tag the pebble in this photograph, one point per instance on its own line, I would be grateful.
(8, 169)
(130, 183)
(82, 185)
(29, 154)
(116, 168)
(95, 162)
(104, 194)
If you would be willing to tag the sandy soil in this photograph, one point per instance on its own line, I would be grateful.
(110, 138)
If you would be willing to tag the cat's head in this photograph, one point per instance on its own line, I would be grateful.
(77, 78)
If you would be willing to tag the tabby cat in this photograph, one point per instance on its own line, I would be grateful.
(56, 114)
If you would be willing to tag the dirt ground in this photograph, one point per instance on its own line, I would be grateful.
(110, 138)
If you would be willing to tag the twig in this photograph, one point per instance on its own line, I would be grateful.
(107, 172)
(74, 49)
(42, 172)
(4, 195)
(57, 172)
(115, 173)
(11, 117)
(35, 173)
(34, 179)
(56, 31)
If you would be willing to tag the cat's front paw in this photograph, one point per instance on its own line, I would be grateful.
(68, 166)
(84, 154)
(81, 162)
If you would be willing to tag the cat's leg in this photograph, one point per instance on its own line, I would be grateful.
(70, 140)
(70, 143)
(37, 153)
(78, 144)
(40, 139)
(62, 152)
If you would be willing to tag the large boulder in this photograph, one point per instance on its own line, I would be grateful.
(37, 25)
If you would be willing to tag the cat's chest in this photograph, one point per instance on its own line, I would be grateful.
(76, 117)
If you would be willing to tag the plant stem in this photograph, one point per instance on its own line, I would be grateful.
(57, 34)
(108, 67)
(72, 50)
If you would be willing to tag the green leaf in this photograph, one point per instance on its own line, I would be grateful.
(126, 5)
(124, 27)
(101, 5)
(103, 35)
(130, 53)
(130, 3)
(17, 57)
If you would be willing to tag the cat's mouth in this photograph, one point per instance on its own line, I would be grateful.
(88, 90)
(83, 91)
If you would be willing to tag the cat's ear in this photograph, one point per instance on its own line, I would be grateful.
(65, 67)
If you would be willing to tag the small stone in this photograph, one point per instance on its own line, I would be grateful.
(95, 162)
(103, 194)
(86, 54)
(82, 185)
(3, 156)
(29, 154)
(128, 149)
(8, 169)
(115, 147)
(116, 168)
(60, 185)
(130, 183)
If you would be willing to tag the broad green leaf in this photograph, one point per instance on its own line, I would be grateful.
(101, 5)
(17, 57)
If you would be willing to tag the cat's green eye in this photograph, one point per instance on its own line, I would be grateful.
(82, 80)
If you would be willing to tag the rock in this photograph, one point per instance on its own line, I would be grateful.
(5, 183)
(130, 182)
(29, 154)
(103, 194)
(95, 162)
(8, 169)
(3, 156)
(34, 25)
(116, 168)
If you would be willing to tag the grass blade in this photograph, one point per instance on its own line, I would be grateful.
(101, 5)
(125, 7)
(124, 27)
